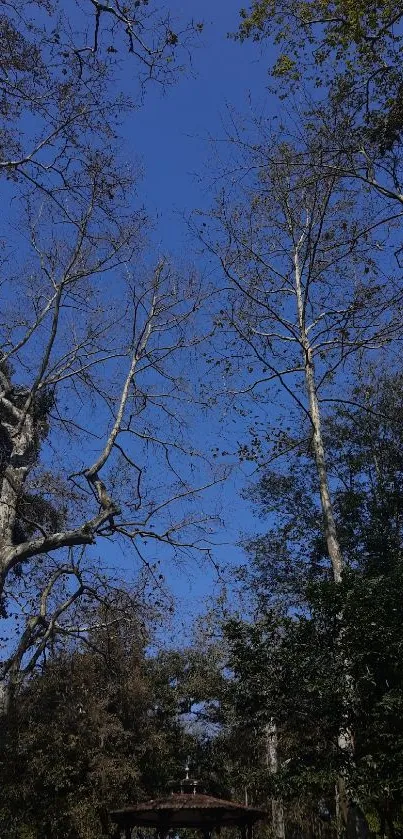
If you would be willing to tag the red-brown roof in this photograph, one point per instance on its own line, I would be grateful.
(187, 810)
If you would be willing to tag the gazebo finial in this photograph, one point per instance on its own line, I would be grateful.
(188, 783)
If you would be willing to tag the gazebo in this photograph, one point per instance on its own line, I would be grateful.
(186, 809)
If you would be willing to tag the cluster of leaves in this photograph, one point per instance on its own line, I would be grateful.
(353, 48)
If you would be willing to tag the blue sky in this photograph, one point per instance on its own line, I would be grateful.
(174, 130)
(175, 134)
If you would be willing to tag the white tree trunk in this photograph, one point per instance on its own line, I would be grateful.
(20, 429)
(272, 765)
(354, 819)
(329, 523)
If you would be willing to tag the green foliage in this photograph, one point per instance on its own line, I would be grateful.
(289, 664)
(96, 730)
(353, 48)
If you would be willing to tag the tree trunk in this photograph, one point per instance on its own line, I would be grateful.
(21, 432)
(354, 820)
(277, 809)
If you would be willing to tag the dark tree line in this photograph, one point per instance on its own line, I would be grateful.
(288, 662)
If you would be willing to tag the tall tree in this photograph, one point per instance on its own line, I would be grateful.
(307, 296)
(306, 290)
(54, 498)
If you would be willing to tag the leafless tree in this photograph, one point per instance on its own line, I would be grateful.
(307, 290)
(96, 339)
(95, 397)
(64, 76)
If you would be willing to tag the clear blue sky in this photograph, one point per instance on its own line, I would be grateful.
(170, 134)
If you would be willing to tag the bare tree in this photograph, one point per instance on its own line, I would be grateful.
(95, 398)
(96, 341)
(307, 290)
(306, 296)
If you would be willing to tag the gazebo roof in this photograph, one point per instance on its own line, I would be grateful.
(187, 810)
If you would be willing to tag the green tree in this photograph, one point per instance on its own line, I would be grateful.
(352, 48)
(289, 663)
(99, 728)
